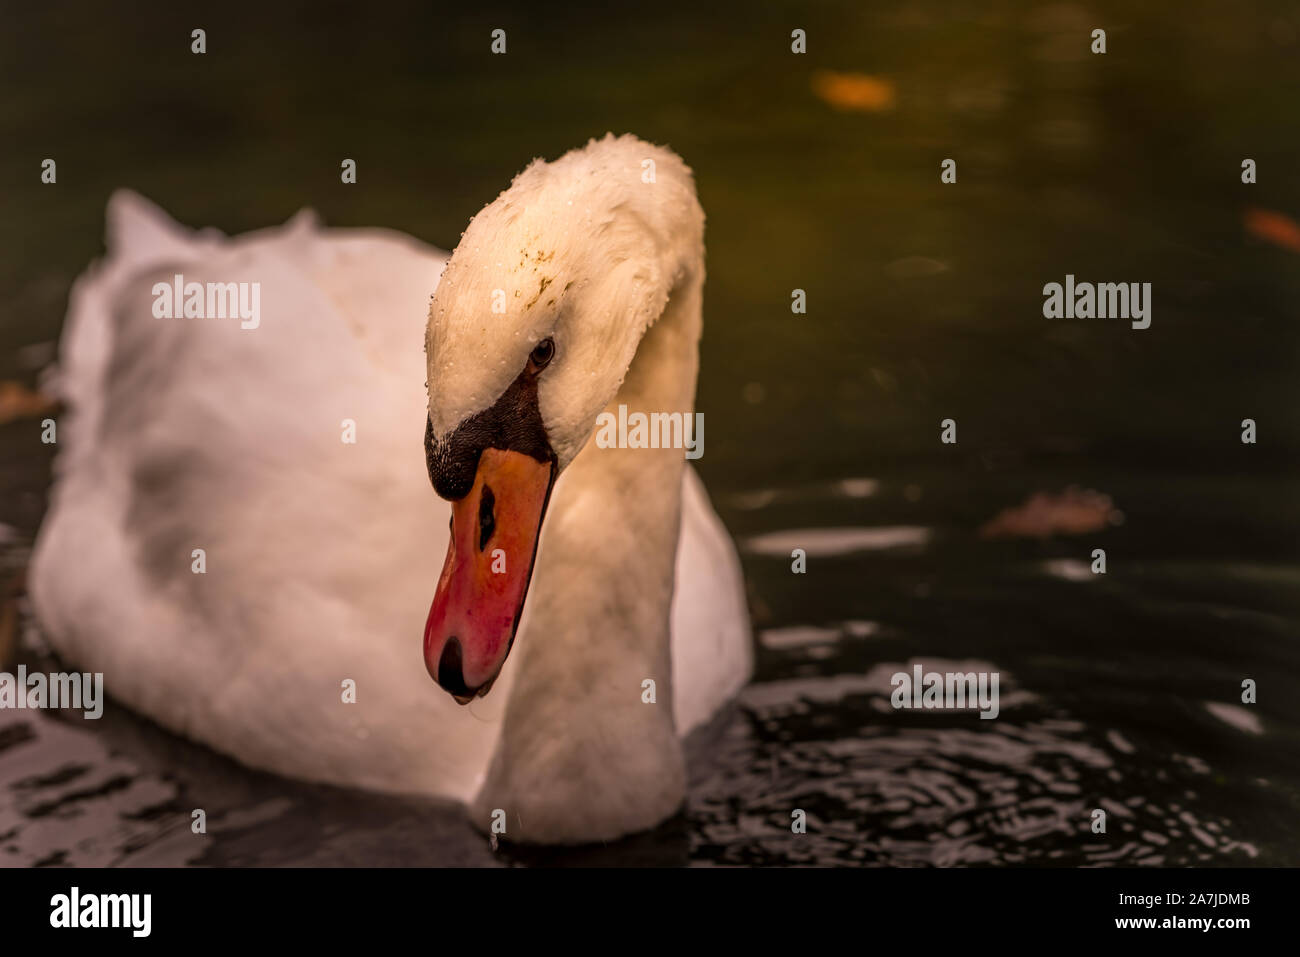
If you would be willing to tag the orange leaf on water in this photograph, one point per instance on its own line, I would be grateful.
(1071, 512)
(853, 91)
(1273, 227)
(19, 402)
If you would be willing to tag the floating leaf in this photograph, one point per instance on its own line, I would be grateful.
(19, 402)
(1273, 227)
(1044, 514)
(853, 91)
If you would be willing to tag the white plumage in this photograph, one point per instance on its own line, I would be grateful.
(321, 556)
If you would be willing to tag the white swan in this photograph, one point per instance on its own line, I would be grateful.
(320, 556)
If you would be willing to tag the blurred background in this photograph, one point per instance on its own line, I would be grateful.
(819, 172)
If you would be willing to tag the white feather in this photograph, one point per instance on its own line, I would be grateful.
(321, 556)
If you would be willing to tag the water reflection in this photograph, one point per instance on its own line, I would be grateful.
(878, 787)
(936, 791)
(66, 800)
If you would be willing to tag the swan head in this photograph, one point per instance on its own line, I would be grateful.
(534, 324)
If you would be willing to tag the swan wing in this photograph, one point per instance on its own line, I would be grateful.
(319, 554)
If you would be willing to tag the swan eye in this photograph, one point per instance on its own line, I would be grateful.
(541, 355)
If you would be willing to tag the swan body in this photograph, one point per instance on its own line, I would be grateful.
(319, 555)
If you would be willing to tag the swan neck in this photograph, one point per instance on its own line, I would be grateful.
(591, 707)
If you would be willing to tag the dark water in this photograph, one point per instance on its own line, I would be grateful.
(1119, 692)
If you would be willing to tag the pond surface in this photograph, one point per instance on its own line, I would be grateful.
(1119, 691)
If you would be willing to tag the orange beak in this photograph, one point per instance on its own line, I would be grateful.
(480, 595)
